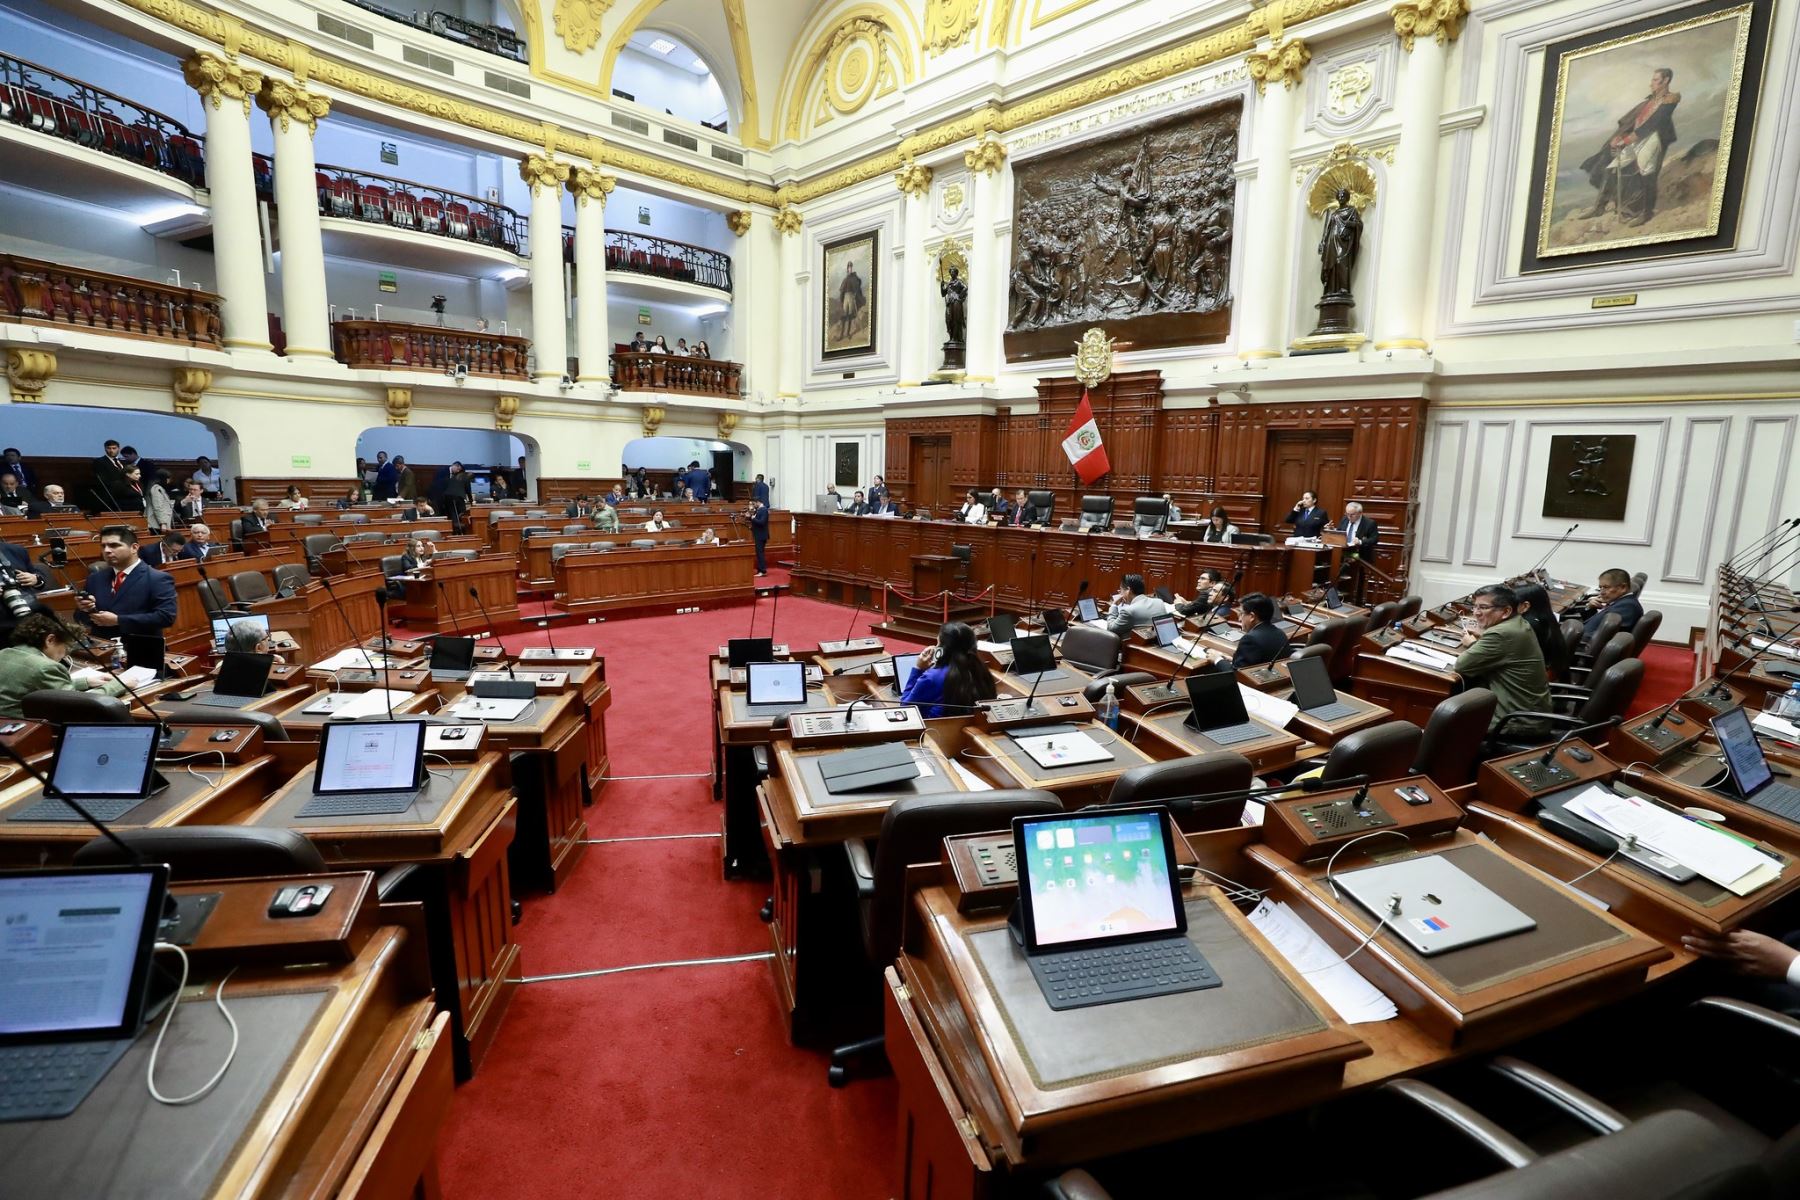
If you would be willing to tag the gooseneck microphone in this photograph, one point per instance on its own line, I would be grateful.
(1539, 564)
(475, 595)
(349, 628)
(381, 603)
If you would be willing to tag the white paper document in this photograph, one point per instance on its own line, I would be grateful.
(1425, 656)
(1063, 750)
(138, 677)
(354, 657)
(487, 708)
(347, 706)
(1718, 856)
(1352, 997)
(1270, 710)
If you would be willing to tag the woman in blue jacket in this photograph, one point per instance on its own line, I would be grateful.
(950, 675)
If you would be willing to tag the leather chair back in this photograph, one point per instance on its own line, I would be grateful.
(392, 565)
(1195, 775)
(309, 518)
(292, 576)
(1385, 751)
(175, 712)
(1451, 744)
(1124, 679)
(1253, 539)
(1645, 631)
(494, 514)
(1313, 650)
(533, 531)
(1384, 614)
(1613, 690)
(1092, 649)
(250, 586)
(913, 831)
(1572, 633)
(1410, 606)
(1096, 510)
(317, 544)
(60, 707)
(211, 851)
(213, 596)
(354, 518)
(576, 527)
(429, 532)
(1150, 512)
(1638, 580)
(560, 549)
(603, 547)
(1042, 503)
(1619, 647)
(1328, 633)
(1343, 655)
(1609, 625)
(237, 530)
(357, 539)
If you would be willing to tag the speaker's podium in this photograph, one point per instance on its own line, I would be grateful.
(938, 583)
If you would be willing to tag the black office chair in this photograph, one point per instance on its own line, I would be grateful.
(1384, 614)
(1096, 513)
(1329, 634)
(215, 599)
(1313, 650)
(309, 518)
(1572, 633)
(913, 831)
(1618, 648)
(1252, 539)
(1638, 580)
(1096, 690)
(210, 851)
(1603, 632)
(247, 587)
(175, 712)
(1343, 655)
(1385, 751)
(1043, 506)
(1450, 747)
(1195, 775)
(291, 578)
(1410, 606)
(1151, 513)
(1610, 697)
(1644, 632)
(60, 707)
(317, 545)
(963, 556)
(1096, 651)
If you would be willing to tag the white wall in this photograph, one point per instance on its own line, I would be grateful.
(670, 219)
(660, 85)
(53, 429)
(472, 447)
(100, 239)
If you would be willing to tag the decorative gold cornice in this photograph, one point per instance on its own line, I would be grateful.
(399, 405)
(285, 102)
(1439, 19)
(788, 219)
(728, 422)
(653, 419)
(1281, 63)
(188, 384)
(578, 22)
(986, 157)
(505, 409)
(28, 373)
(218, 80)
(586, 184)
(738, 222)
(541, 172)
(914, 178)
(948, 23)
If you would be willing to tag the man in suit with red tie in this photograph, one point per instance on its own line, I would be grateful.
(127, 595)
(1021, 513)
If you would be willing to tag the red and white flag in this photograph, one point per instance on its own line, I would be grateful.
(1082, 444)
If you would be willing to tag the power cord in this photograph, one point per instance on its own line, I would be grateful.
(1332, 861)
(219, 999)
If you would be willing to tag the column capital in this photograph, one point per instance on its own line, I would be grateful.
(542, 172)
(286, 102)
(218, 80)
(189, 384)
(28, 373)
(788, 219)
(914, 179)
(505, 409)
(1283, 62)
(985, 157)
(738, 222)
(399, 405)
(586, 183)
(1438, 19)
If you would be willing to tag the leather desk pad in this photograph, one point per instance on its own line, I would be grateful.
(813, 783)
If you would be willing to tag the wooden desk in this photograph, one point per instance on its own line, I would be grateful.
(1410, 691)
(535, 551)
(1167, 729)
(303, 726)
(627, 578)
(442, 604)
(999, 758)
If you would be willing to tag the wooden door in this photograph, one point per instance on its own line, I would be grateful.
(931, 486)
(1301, 460)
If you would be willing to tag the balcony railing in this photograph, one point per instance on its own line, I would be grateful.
(398, 204)
(38, 98)
(33, 292)
(490, 38)
(641, 254)
(677, 373)
(392, 346)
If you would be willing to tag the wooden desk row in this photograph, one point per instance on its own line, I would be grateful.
(504, 534)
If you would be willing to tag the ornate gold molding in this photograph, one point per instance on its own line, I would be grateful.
(953, 254)
(1283, 62)
(738, 222)
(914, 178)
(1439, 19)
(739, 28)
(578, 22)
(218, 80)
(1346, 168)
(728, 422)
(788, 219)
(653, 419)
(986, 157)
(587, 184)
(189, 384)
(28, 373)
(948, 23)
(286, 102)
(541, 172)
(399, 405)
(505, 409)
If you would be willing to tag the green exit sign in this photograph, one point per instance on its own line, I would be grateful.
(583, 465)
(300, 460)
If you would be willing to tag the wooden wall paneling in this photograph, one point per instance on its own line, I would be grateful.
(1185, 450)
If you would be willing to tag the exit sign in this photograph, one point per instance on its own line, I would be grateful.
(300, 460)
(583, 465)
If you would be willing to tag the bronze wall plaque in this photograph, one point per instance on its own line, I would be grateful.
(1589, 477)
(1132, 234)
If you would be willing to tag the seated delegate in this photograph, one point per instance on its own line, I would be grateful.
(37, 662)
(950, 676)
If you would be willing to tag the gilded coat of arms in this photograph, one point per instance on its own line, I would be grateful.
(1093, 357)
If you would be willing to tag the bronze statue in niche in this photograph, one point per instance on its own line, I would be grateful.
(1132, 234)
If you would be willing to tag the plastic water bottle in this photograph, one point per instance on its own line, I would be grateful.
(1109, 708)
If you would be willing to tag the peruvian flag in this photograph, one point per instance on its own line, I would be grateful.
(1082, 444)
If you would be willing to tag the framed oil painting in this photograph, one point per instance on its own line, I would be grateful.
(851, 288)
(1643, 137)
(1589, 477)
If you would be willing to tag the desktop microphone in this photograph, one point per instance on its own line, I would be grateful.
(55, 793)
(1550, 754)
(1720, 687)
(165, 736)
(475, 595)
(381, 601)
(349, 628)
(851, 628)
(1312, 784)
(1031, 696)
(1539, 564)
(1761, 544)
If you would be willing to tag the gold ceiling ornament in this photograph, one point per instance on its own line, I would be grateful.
(738, 222)
(505, 409)
(1093, 358)
(188, 384)
(653, 419)
(1440, 19)
(218, 80)
(914, 178)
(728, 423)
(739, 28)
(952, 253)
(287, 102)
(578, 22)
(953, 198)
(986, 157)
(788, 219)
(399, 405)
(856, 66)
(541, 172)
(28, 373)
(1281, 63)
(948, 23)
(585, 183)
(1345, 168)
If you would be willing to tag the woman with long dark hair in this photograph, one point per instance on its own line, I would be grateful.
(1534, 606)
(1219, 527)
(950, 675)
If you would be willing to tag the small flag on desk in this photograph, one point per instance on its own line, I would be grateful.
(1082, 444)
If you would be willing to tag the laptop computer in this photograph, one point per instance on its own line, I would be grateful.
(452, 658)
(1034, 661)
(773, 688)
(107, 769)
(1056, 622)
(741, 652)
(223, 625)
(1166, 631)
(1000, 628)
(75, 978)
(1313, 691)
(1219, 713)
(367, 768)
(1087, 609)
(1747, 770)
(243, 678)
(1440, 906)
(1100, 913)
(146, 650)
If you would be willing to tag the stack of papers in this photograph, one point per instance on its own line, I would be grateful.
(1352, 997)
(487, 708)
(1728, 860)
(138, 677)
(355, 656)
(1270, 710)
(1422, 655)
(345, 706)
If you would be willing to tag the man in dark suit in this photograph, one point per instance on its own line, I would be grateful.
(16, 465)
(110, 487)
(191, 507)
(14, 496)
(759, 533)
(878, 491)
(456, 495)
(858, 506)
(167, 550)
(200, 545)
(759, 491)
(1612, 595)
(387, 481)
(1361, 537)
(886, 508)
(1307, 518)
(1262, 641)
(126, 595)
(580, 507)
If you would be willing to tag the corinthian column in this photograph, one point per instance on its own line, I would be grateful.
(914, 182)
(1425, 29)
(593, 353)
(986, 268)
(1262, 328)
(227, 90)
(294, 115)
(549, 328)
(793, 346)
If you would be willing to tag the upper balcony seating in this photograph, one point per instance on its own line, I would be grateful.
(640, 254)
(489, 38)
(47, 102)
(379, 200)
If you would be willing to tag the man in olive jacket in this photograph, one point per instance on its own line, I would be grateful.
(1506, 658)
